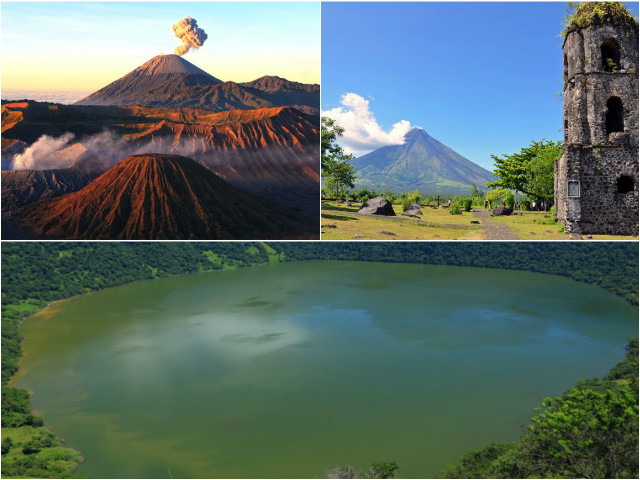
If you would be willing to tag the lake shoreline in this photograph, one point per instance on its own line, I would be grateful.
(436, 278)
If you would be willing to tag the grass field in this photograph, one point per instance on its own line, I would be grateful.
(434, 224)
(341, 222)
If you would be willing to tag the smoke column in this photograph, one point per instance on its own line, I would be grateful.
(41, 155)
(192, 37)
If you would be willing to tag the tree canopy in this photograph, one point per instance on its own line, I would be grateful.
(529, 171)
(337, 170)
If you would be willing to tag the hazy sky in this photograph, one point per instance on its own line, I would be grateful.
(480, 77)
(87, 45)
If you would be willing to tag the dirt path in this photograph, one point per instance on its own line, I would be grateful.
(494, 230)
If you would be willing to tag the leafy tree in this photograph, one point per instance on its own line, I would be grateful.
(383, 470)
(530, 171)
(377, 470)
(389, 195)
(414, 197)
(363, 192)
(476, 192)
(586, 434)
(509, 198)
(477, 463)
(540, 176)
(343, 471)
(501, 195)
(337, 170)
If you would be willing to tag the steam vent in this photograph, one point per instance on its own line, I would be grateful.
(596, 180)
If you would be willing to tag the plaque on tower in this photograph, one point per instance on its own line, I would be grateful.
(573, 189)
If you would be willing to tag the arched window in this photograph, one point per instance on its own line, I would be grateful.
(624, 184)
(614, 121)
(566, 68)
(610, 51)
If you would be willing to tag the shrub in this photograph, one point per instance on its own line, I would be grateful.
(377, 470)
(508, 198)
(414, 196)
(7, 443)
(467, 203)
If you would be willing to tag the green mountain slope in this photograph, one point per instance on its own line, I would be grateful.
(421, 163)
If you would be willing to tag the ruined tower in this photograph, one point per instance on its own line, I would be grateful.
(596, 180)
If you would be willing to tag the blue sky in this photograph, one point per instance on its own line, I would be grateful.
(480, 77)
(86, 45)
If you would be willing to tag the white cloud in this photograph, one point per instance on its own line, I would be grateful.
(362, 133)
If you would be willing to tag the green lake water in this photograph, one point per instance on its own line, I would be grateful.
(284, 370)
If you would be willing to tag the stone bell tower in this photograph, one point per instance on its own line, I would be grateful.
(596, 180)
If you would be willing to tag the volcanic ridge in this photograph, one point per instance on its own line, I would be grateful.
(269, 152)
(172, 81)
(155, 196)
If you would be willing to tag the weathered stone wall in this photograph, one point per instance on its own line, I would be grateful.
(582, 49)
(600, 208)
(585, 108)
(591, 156)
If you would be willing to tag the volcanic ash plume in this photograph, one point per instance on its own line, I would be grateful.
(192, 37)
(42, 154)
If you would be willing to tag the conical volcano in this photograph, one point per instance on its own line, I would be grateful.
(159, 76)
(420, 163)
(171, 65)
(153, 196)
(172, 81)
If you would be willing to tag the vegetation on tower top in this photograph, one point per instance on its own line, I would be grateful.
(584, 14)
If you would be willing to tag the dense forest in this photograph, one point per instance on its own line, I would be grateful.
(49, 271)
(35, 274)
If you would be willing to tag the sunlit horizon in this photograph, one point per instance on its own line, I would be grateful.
(84, 46)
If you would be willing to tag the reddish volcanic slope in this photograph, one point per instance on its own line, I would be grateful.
(153, 196)
(271, 152)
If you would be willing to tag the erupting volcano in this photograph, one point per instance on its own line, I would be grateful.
(252, 170)
(172, 81)
(160, 75)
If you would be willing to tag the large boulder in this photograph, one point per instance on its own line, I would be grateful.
(413, 210)
(377, 206)
(502, 211)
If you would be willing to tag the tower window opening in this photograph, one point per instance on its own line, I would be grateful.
(566, 68)
(610, 51)
(614, 121)
(624, 184)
